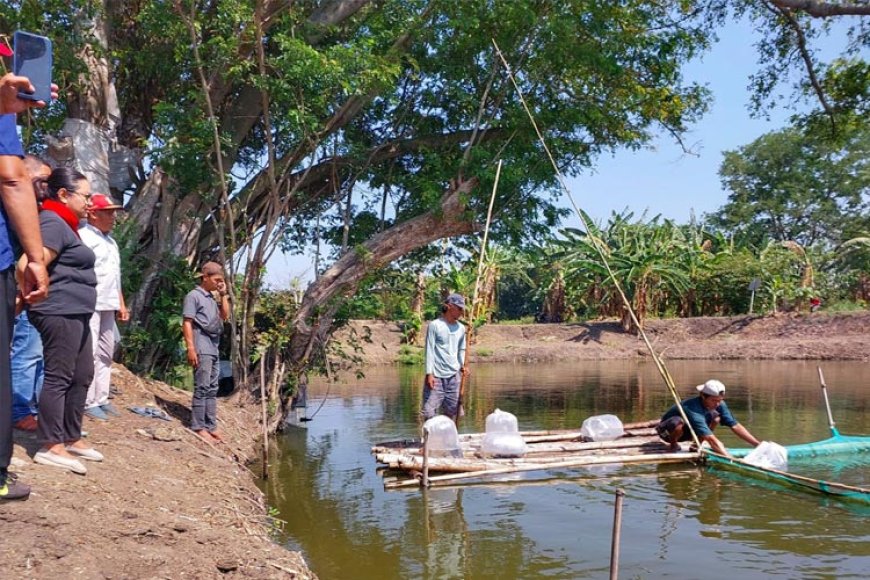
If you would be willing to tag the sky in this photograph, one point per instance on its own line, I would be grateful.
(662, 178)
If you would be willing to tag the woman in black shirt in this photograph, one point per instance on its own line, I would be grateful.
(63, 323)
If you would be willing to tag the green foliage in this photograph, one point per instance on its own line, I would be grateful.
(410, 355)
(154, 345)
(796, 185)
(648, 259)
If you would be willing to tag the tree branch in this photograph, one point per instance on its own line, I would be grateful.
(825, 9)
(808, 61)
(447, 220)
(318, 181)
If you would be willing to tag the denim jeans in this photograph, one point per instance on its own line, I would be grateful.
(27, 367)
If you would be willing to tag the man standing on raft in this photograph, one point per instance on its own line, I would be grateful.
(705, 412)
(445, 353)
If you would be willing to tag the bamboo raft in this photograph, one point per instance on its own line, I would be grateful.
(546, 450)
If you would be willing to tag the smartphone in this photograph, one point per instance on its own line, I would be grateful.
(32, 59)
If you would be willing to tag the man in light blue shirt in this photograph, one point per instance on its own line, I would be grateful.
(445, 358)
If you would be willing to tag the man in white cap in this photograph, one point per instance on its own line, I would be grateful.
(445, 358)
(705, 412)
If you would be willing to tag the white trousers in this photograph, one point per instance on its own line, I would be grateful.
(103, 341)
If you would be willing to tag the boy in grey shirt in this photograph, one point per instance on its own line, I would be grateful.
(204, 316)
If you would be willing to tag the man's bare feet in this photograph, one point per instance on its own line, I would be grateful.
(204, 435)
(216, 435)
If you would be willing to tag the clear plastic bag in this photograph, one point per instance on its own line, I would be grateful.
(768, 455)
(443, 438)
(501, 422)
(502, 436)
(602, 428)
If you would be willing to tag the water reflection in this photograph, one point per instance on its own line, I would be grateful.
(679, 521)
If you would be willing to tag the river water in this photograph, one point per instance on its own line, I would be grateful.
(678, 521)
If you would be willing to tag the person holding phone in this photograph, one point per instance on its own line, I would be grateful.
(205, 309)
(18, 216)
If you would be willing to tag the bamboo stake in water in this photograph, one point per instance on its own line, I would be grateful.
(831, 424)
(617, 531)
(424, 482)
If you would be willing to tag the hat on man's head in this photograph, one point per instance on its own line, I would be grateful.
(101, 201)
(711, 387)
(456, 300)
(210, 269)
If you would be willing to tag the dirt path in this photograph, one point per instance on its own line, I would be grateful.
(162, 505)
(843, 336)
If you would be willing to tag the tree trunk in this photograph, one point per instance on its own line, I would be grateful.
(311, 329)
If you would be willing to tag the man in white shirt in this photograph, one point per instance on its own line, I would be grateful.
(110, 301)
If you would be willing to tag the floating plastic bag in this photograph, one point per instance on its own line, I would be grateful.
(502, 436)
(602, 428)
(443, 438)
(768, 455)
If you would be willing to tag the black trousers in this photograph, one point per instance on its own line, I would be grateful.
(69, 370)
(8, 289)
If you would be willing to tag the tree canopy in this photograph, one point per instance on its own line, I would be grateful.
(797, 185)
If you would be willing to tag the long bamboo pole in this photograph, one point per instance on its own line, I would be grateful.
(463, 379)
(632, 459)
(596, 243)
(263, 411)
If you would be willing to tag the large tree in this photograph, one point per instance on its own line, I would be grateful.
(236, 122)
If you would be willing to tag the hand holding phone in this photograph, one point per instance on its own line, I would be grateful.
(33, 60)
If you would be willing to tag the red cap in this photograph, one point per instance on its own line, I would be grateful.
(101, 201)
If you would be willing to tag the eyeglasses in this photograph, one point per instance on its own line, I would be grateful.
(86, 196)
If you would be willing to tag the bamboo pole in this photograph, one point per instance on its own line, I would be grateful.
(631, 459)
(617, 531)
(425, 480)
(264, 415)
(463, 379)
(598, 245)
(460, 465)
(542, 449)
(831, 425)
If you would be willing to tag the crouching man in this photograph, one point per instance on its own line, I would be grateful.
(705, 412)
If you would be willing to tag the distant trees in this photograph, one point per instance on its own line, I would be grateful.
(798, 184)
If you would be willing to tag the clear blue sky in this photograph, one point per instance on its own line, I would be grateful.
(662, 179)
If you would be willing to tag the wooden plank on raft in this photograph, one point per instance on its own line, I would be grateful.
(458, 465)
(683, 457)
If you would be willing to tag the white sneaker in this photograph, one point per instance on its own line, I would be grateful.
(85, 453)
(55, 460)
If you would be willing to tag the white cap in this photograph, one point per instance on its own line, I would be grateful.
(712, 387)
